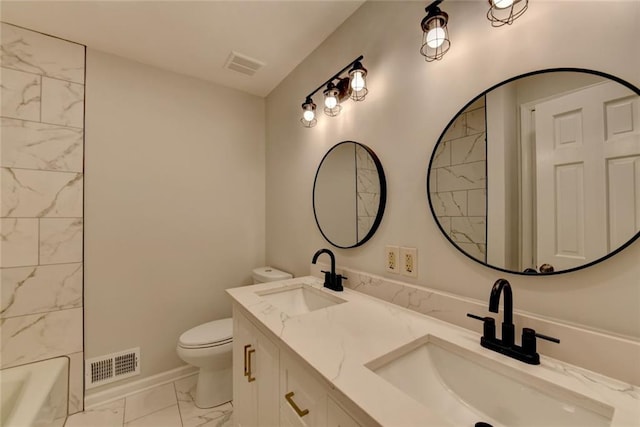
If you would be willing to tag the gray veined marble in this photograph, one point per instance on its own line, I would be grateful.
(368, 204)
(62, 102)
(37, 53)
(468, 176)
(468, 149)
(442, 155)
(41, 336)
(477, 202)
(449, 203)
(20, 95)
(76, 382)
(31, 145)
(19, 243)
(30, 193)
(367, 181)
(40, 289)
(60, 240)
(469, 229)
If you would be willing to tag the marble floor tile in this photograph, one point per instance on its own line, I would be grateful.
(167, 417)
(107, 415)
(150, 401)
(192, 416)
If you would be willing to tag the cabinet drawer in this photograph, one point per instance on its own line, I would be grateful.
(338, 417)
(302, 398)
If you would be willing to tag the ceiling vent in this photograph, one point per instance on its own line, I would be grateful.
(243, 64)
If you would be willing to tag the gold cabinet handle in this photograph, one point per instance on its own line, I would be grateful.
(246, 370)
(249, 377)
(301, 413)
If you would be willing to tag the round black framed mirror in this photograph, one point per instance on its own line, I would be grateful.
(349, 194)
(541, 173)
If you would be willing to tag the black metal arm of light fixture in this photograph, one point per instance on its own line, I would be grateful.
(433, 5)
(336, 75)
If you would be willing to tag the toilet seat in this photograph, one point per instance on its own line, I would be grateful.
(211, 334)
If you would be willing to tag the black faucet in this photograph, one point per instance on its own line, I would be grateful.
(332, 280)
(506, 345)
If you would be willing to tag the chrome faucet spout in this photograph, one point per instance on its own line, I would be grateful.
(502, 286)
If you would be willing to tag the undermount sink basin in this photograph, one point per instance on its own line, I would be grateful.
(465, 387)
(299, 299)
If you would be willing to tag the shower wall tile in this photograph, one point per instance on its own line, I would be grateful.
(20, 95)
(19, 244)
(368, 204)
(475, 250)
(41, 336)
(31, 145)
(468, 149)
(477, 202)
(449, 203)
(31, 193)
(76, 382)
(62, 102)
(60, 240)
(368, 181)
(475, 121)
(457, 129)
(469, 176)
(40, 289)
(469, 229)
(364, 226)
(442, 156)
(37, 53)
(42, 201)
(364, 159)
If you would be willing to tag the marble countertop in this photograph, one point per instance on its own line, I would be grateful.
(339, 340)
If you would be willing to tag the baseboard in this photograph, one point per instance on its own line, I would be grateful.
(119, 392)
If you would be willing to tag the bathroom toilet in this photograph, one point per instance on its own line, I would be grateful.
(209, 347)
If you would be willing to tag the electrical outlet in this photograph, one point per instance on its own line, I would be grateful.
(409, 262)
(392, 259)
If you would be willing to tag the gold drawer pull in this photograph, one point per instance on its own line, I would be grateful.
(246, 370)
(249, 377)
(289, 397)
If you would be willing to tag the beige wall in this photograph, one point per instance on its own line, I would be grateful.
(174, 206)
(408, 105)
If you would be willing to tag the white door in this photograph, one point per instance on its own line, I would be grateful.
(588, 174)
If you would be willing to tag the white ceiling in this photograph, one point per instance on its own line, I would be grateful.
(193, 37)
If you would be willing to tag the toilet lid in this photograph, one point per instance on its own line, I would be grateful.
(207, 334)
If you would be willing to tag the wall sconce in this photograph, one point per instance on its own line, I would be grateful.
(435, 35)
(337, 89)
(503, 12)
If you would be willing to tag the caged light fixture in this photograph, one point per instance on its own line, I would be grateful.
(503, 12)
(435, 35)
(336, 90)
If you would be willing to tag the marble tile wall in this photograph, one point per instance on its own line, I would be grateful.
(368, 191)
(42, 180)
(458, 183)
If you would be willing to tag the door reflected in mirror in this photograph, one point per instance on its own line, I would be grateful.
(349, 194)
(541, 173)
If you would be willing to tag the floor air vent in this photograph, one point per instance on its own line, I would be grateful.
(112, 367)
(243, 64)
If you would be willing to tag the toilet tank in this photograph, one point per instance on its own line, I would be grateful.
(269, 274)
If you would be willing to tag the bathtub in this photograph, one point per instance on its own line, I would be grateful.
(35, 395)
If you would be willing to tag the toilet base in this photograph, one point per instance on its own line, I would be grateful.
(214, 387)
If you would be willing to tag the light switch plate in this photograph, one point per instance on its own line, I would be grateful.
(409, 262)
(392, 259)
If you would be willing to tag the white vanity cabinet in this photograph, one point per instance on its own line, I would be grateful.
(271, 388)
(255, 375)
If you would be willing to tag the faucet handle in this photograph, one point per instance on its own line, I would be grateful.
(489, 326)
(529, 340)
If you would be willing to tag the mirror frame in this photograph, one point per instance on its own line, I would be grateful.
(509, 80)
(381, 205)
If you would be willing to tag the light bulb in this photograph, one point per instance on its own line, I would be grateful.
(308, 115)
(435, 37)
(357, 81)
(502, 4)
(330, 101)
